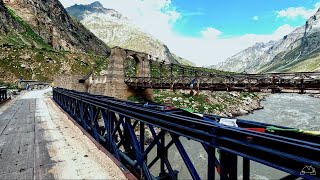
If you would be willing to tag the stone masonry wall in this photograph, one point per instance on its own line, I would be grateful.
(112, 84)
(69, 82)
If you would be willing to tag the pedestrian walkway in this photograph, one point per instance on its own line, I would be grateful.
(38, 141)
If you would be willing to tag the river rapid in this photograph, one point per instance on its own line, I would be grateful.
(291, 110)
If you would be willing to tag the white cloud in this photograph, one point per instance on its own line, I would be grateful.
(158, 17)
(282, 31)
(255, 18)
(210, 33)
(209, 51)
(293, 12)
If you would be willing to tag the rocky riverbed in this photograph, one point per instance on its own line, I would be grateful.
(229, 104)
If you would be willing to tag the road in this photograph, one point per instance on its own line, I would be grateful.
(38, 141)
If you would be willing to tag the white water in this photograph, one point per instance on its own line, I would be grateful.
(291, 110)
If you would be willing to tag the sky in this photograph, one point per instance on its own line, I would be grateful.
(207, 32)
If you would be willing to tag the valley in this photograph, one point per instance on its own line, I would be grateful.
(294, 52)
(88, 93)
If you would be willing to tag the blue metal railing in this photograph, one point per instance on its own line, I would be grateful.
(120, 127)
(3, 95)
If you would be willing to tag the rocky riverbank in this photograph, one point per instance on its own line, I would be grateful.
(229, 104)
(315, 95)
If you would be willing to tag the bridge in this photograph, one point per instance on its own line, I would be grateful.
(135, 73)
(43, 137)
(119, 126)
(32, 84)
(173, 76)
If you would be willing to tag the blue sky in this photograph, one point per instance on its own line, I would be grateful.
(235, 17)
(209, 31)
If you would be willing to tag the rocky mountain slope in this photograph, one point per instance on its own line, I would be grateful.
(116, 30)
(303, 53)
(25, 53)
(14, 31)
(183, 61)
(247, 59)
(297, 51)
(8, 23)
(51, 21)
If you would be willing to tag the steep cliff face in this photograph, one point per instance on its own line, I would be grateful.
(24, 53)
(297, 51)
(49, 19)
(302, 54)
(7, 23)
(14, 31)
(311, 39)
(116, 30)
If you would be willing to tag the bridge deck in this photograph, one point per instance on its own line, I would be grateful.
(37, 141)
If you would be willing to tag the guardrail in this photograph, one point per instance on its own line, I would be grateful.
(3, 95)
(120, 127)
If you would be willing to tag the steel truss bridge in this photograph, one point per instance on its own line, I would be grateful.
(172, 76)
(119, 126)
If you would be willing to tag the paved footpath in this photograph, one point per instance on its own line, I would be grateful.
(38, 141)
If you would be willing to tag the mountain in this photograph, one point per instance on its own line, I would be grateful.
(117, 30)
(247, 59)
(303, 53)
(23, 52)
(8, 23)
(297, 51)
(183, 61)
(14, 31)
(51, 21)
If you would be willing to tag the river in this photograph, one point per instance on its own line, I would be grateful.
(291, 110)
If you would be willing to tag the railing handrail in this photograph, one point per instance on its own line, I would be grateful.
(297, 152)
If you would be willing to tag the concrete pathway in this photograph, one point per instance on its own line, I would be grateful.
(38, 141)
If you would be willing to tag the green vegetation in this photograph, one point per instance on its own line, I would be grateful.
(8, 85)
(205, 102)
(135, 99)
(130, 67)
(290, 62)
(25, 53)
(25, 37)
(199, 103)
(43, 65)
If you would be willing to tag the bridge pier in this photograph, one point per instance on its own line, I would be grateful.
(116, 86)
(302, 90)
(113, 84)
